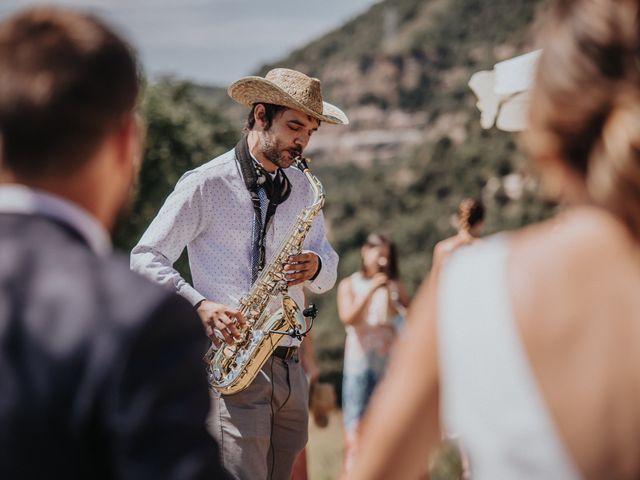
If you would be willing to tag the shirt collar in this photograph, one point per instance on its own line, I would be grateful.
(29, 201)
(272, 174)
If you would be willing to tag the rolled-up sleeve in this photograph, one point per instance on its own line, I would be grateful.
(178, 222)
(317, 243)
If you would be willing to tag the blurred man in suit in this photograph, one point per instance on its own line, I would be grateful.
(100, 370)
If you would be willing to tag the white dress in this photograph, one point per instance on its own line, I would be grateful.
(490, 401)
(367, 348)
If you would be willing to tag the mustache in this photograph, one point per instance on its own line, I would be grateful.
(295, 152)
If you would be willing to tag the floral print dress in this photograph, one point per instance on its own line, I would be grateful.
(367, 349)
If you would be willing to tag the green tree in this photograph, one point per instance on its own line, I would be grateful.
(181, 134)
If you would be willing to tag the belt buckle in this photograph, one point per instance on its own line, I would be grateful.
(289, 353)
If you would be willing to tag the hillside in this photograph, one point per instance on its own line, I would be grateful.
(414, 147)
(400, 70)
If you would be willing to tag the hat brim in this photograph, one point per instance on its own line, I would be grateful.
(251, 90)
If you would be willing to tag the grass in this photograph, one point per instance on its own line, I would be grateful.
(324, 450)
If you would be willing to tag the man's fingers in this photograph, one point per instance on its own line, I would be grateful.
(237, 314)
(220, 322)
(299, 272)
(294, 261)
(300, 269)
(223, 330)
(231, 327)
(227, 325)
(227, 338)
(300, 258)
(310, 264)
(296, 278)
(296, 274)
(212, 333)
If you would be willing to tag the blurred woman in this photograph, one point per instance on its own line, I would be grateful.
(371, 303)
(529, 349)
(470, 222)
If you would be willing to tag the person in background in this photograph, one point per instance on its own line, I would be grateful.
(100, 370)
(371, 304)
(527, 349)
(232, 214)
(470, 221)
(470, 218)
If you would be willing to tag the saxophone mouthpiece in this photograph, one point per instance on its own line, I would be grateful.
(302, 162)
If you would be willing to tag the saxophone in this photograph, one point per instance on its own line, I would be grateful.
(232, 368)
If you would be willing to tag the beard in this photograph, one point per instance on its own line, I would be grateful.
(273, 149)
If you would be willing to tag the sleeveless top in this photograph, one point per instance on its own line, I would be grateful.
(367, 348)
(374, 335)
(490, 401)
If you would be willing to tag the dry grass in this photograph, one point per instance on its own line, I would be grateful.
(324, 450)
(324, 453)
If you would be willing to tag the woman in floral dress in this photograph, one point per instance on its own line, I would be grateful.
(371, 304)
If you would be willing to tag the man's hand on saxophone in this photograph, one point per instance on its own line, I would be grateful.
(276, 137)
(302, 267)
(218, 319)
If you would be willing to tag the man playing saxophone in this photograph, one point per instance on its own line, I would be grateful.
(232, 214)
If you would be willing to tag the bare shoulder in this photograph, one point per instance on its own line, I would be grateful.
(571, 266)
(445, 247)
(580, 238)
(573, 284)
(345, 284)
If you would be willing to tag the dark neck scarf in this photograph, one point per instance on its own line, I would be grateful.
(255, 177)
(278, 187)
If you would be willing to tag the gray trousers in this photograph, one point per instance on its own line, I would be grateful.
(262, 429)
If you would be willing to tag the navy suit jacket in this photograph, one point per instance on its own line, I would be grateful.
(101, 372)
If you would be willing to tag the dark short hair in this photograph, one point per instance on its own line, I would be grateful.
(66, 81)
(271, 111)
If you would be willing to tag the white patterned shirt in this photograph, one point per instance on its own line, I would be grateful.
(211, 213)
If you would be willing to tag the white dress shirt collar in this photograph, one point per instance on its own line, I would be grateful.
(272, 174)
(20, 199)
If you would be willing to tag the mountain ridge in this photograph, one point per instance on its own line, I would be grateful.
(415, 147)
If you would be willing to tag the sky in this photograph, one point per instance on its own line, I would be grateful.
(213, 41)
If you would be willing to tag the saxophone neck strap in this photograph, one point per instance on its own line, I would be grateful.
(277, 187)
(256, 177)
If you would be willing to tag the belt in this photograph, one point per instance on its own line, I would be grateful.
(286, 353)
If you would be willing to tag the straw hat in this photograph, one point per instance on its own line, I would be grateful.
(288, 88)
